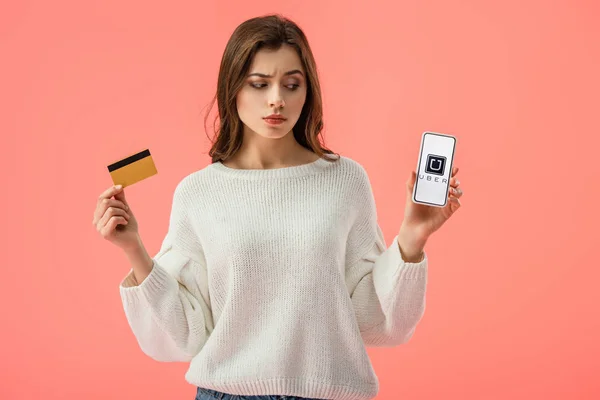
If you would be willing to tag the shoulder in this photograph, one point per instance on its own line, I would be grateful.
(349, 166)
(354, 171)
(354, 185)
(358, 193)
(192, 185)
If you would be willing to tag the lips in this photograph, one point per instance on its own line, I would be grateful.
(275, 117)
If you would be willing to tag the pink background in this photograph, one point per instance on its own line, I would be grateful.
(513, 298)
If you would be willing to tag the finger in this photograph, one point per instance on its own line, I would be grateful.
(455, 201)
(103, 206)
(110, 192)
(114, 203)
(107, 230)
(111, 224)
(455, 192)
(110, 213)
(120, 195)
(454, 182)
(454, 171)
(411, 180)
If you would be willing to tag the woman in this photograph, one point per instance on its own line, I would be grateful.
(274, 274)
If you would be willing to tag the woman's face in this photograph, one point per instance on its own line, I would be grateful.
(275, 84)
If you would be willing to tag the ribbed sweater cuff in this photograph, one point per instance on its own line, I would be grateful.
(158, 282)
(408, 270)
(392, 268)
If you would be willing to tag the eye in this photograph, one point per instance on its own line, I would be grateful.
(293, 86)
(258, 85)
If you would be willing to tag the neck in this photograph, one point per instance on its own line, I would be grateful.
(258, 152)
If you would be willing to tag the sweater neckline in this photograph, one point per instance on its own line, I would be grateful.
(310, 168)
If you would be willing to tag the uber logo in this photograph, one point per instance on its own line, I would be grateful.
(435, 164)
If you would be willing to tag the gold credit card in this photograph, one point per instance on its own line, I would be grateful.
(132, 169)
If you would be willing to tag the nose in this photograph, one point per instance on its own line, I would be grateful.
(275, 98)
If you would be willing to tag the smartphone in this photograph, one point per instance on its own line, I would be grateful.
(434, 169)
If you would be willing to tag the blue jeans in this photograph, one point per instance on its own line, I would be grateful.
(209, 394)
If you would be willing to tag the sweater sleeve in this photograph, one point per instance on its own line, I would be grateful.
(169, 312)
(388, 294)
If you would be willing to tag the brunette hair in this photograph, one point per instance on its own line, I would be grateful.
(270, 32)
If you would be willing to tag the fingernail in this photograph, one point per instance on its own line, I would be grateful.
(118, 186)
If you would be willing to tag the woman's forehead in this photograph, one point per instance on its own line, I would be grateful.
(284, 60)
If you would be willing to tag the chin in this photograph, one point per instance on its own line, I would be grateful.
(273, 132)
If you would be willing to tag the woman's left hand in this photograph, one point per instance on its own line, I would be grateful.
(422, 220)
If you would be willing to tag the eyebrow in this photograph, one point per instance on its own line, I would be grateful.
(292, 72)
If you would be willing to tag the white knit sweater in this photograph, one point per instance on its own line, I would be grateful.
(272, 282)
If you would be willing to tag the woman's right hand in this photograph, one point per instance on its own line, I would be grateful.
(114, 219)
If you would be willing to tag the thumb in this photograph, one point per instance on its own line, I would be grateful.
(120, 195)
(410, 183)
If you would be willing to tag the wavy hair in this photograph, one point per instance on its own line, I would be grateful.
(270, 32)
